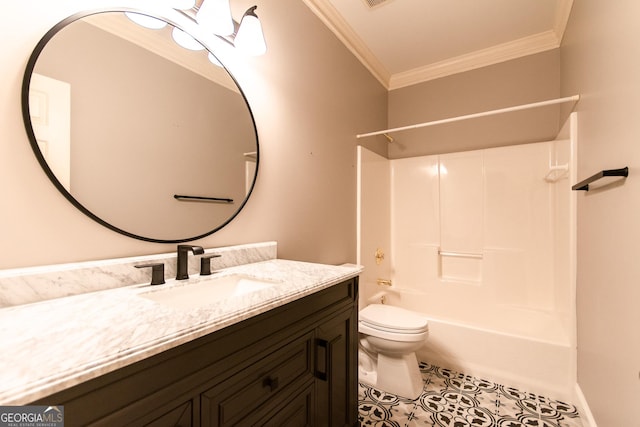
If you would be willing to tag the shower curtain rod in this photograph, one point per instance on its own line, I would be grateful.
(573, 98)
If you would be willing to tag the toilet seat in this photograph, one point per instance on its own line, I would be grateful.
(392, 319)
(365, 328)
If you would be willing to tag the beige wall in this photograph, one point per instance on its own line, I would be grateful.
(520, 81)
(310, 98)
(601, 61)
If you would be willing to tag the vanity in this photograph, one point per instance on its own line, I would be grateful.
(281, 354)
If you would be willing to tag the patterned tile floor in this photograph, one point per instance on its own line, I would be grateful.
(452, 399)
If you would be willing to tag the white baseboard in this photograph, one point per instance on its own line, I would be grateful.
(583, 407)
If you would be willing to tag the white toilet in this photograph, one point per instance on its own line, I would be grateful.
(389, 338)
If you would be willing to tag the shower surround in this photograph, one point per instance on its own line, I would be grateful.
(481, 242)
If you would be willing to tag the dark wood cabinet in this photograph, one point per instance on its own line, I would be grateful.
(180, 416)
(336, 343)
(246, 396)
(295, 365)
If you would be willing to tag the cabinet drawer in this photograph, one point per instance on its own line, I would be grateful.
(296, 410)
(258, 386)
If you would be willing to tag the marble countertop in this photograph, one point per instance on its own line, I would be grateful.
(51, 345)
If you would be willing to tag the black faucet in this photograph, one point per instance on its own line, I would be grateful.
(182, 271)
(205, 264)
(157, 272)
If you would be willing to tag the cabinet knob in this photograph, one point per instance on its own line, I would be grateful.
(272, 383)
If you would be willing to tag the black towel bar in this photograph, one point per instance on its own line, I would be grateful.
(584, 185)
(202, 199)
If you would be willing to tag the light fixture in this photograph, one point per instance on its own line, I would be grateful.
(250, 39)
(215, 15)
(214, 60)
(185, 40)
(220, 50)
(146, 21)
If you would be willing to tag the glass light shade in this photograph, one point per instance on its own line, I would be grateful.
(250, 39)
(213, 59)
(185, 40)
(182, 4)
(146, 21)
(223, 51)
(215, 15)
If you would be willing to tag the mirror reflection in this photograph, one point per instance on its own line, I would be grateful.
(123, 120)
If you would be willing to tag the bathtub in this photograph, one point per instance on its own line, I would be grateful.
(527, 349)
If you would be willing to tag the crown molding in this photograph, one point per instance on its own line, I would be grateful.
(504, 52)
(343, 31)
(481, 58)
(562, 17)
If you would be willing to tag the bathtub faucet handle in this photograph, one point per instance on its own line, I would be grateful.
(385, 282)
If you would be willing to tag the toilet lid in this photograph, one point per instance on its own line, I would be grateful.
(390, 318)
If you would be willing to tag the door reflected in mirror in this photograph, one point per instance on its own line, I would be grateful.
(122, 119)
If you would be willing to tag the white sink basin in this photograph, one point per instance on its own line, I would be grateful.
(208, 291)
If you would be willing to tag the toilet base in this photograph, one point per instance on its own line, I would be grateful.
(395, 374)
(400, 375)
(367, 365)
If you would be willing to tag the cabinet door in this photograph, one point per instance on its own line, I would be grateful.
(336, 368)
(180, 416)
(298, 411)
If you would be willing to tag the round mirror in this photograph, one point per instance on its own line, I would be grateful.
(148, 138)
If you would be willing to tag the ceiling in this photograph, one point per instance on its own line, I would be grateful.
(404, 42)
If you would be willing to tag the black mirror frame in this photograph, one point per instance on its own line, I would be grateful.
(52, 177)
